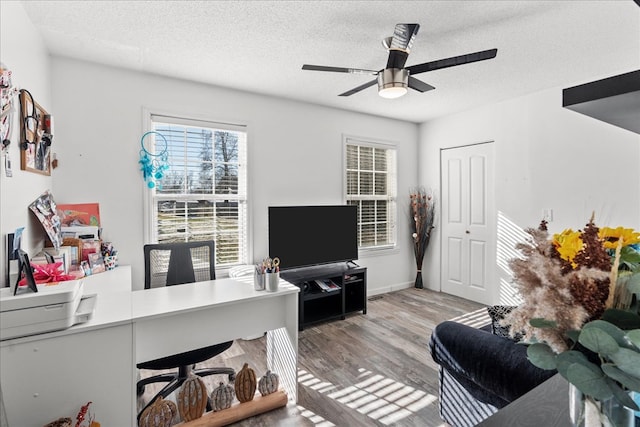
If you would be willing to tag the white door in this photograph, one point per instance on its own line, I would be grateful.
(468, 223)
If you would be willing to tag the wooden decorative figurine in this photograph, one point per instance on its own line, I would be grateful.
(268, 383)
(222, 397)
(245, 384)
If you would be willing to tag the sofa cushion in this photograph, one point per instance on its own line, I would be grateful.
(493, 369)
(497, 313)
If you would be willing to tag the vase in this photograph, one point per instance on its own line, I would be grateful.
(585, 411)
(418, 283)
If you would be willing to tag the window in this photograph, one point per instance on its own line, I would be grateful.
(203, 194)
(370, 184)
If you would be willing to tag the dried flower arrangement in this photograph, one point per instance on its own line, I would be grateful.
(422, 217)
(579, 311)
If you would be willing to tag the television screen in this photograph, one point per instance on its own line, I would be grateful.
(309, 235)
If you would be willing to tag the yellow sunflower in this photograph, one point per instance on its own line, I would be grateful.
(568, 244)
(610, 236)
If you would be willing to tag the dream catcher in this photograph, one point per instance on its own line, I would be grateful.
(153, 163)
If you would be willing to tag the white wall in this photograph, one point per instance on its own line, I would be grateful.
(295, 153)
(24, 53)
(546, 157)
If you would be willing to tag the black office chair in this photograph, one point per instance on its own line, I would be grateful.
(168, 264)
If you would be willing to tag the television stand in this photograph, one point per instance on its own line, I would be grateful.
(315, 304)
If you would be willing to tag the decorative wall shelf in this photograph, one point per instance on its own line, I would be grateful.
(614, 100)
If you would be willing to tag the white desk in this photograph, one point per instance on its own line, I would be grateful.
(51, 375)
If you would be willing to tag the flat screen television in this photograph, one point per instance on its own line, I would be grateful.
(303, 236)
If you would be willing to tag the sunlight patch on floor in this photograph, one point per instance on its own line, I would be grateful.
(376, 396)
(314, 418)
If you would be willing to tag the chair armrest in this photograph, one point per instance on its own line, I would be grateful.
(495, 364)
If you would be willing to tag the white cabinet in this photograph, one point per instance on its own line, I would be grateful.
(45, 379)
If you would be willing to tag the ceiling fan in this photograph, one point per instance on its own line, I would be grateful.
(394, 79)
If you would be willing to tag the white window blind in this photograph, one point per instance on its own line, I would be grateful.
(203, 195)
(370, 184)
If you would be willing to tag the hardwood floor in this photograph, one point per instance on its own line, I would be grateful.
(367, 370)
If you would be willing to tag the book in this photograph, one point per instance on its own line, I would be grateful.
(64, 252)
(80, 232)
(326, 285)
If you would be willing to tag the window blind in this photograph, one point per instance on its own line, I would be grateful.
(203, 195)
(370, 185)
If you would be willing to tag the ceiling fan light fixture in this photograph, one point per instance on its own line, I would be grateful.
(393, 82)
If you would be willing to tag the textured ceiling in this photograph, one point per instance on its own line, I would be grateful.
(260, 46)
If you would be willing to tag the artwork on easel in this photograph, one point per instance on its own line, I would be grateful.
(36, 136)
(79, 214)
(44, 207)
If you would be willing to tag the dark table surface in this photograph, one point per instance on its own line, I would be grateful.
(545, 406)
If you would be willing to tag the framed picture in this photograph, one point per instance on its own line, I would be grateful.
(25, 268)
(96, 262)
(89, 247)
(79, 214)
(35, 137)
(76, 249)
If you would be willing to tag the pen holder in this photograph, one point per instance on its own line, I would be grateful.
(258, 281)
(110, 262)
(272, 280)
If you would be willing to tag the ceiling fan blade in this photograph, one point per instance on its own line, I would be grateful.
(403, 36)
(400, 45)
(453, 61)
(338, 69)
(419, 85)
(359, 88)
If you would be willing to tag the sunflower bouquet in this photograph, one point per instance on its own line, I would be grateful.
(580, 311)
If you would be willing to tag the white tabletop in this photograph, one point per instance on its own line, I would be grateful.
(115, 306)
(164, 301)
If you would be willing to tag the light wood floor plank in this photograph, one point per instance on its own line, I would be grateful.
(367, 370)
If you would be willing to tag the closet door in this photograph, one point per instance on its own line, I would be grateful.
(468, 223)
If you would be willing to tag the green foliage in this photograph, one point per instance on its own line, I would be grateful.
(542, 356)
(573, 335)
(616, 333)
(568, 358)
(617, 349)
(539, 322)
(622, 377)
(630, 258)
(621, 395)
(634, 337)
(628, 361)
(625, 320)
(590, 380)
(598, 341)
(633, 285)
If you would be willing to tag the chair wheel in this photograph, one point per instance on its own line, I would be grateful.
(140, 390)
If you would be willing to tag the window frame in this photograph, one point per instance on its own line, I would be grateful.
(149, 199)
(393, 186)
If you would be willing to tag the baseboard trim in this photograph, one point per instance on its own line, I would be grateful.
(387, 289)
